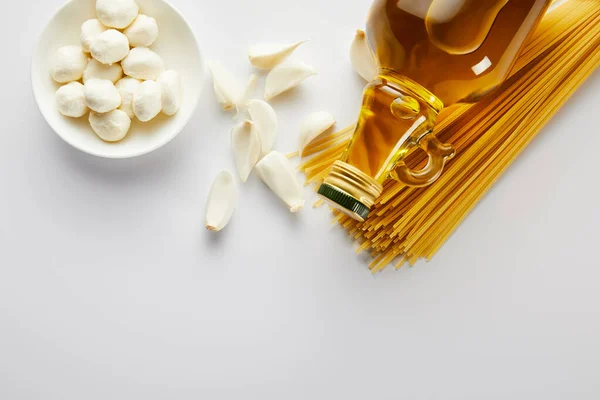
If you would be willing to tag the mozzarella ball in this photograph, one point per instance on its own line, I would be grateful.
(89, 30)
(143, 63)
(110, 47)
(101, 95)
(68, 64)
(70, 100)
(111, 126)
(147, 101)
(171, 88)
(142, 32)
(97, 70)
(116, 13)
(127, 87)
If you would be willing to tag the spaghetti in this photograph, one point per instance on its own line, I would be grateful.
(408, 223)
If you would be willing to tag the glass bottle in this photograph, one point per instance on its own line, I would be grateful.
(431, 54)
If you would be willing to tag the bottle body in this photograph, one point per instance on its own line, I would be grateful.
(431, 54)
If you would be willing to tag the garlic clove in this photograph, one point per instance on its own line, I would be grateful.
(227, 88)
(222, 200)
(286, 76)
(362, 58)
(265, 119)
(246, 148)
(267, 56)
(312, 127)
(277, 172)
(241, 104)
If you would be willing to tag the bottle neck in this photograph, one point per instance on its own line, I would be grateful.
(404, 84)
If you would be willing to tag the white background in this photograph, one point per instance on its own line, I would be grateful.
(110, 288)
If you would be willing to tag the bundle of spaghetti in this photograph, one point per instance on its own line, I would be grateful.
(407, 223)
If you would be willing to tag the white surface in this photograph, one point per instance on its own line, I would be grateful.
(62, 26)
(111, 289)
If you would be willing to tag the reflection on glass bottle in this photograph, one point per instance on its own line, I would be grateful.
(431, 54)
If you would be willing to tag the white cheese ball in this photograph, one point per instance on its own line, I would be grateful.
(127, 87)
(111, 126)
(110, 47)
(97, 70)
(147, 101)
(70, 100)
(142, 32)
(68, 64)
(116, 13)
(143, 63)
(171, 88)
(101, 95)
(89, 30)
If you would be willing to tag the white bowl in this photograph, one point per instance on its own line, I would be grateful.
(176, 44)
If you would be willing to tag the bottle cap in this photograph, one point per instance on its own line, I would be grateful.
(344, 202)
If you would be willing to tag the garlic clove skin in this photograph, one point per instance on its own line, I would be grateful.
(127, 87)
(147, 101)
(143, 63)
(286, 76)
(171, 87)
(313, 126)
(245, 143)
(70, 100)
(101, 95)
(277, 172)
(116, 13)
(227, 88)
(267, 56)
(67, 64)
(90, 29)
(111, 126)
(222, 200)
(265, 119)
(142, 32)
(97, 70)
(241, 105)
(362, 58)
(110, 47)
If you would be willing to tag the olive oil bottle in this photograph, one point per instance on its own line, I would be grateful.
(431, 54)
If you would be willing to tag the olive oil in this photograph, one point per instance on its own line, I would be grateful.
(431, 54)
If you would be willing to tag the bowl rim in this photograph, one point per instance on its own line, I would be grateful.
(101, 154)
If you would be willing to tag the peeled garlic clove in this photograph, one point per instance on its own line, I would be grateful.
(227, 89)
(267, 56)
(246, 148)
(265, 119)
(277, 172)
(286, 76)
(222, 200)
(313, 126)
(362, 58)
(241, 105)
